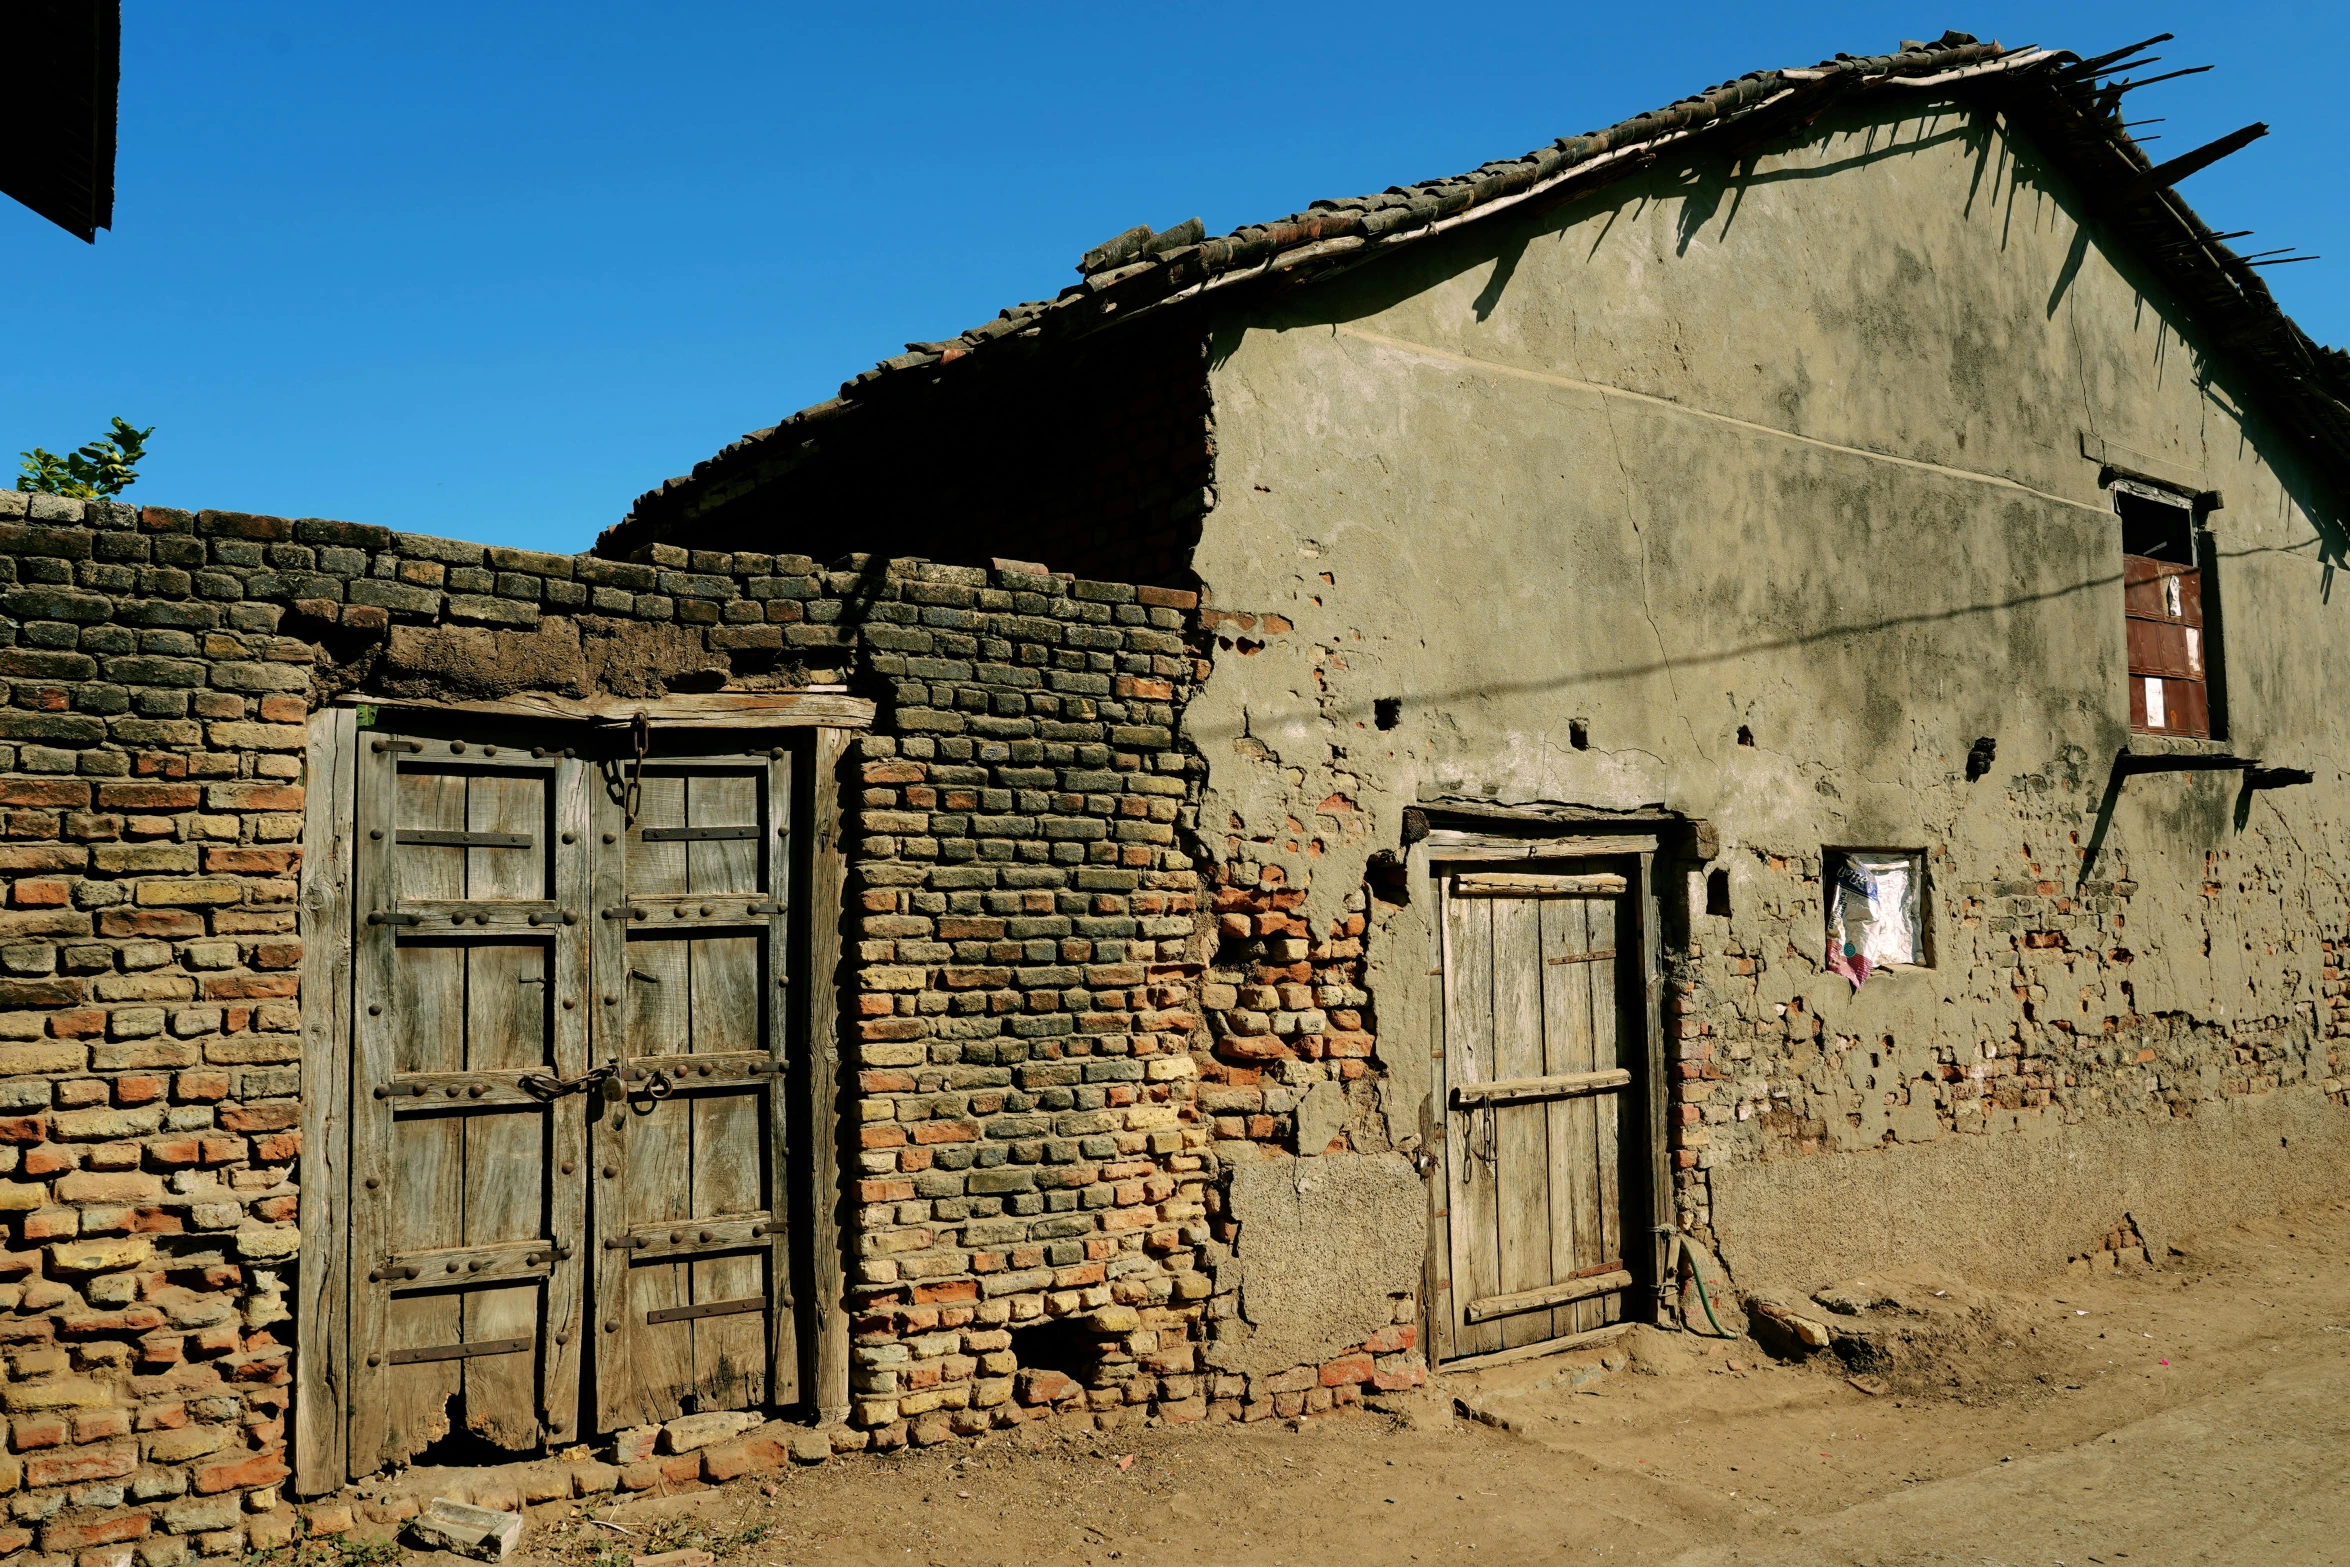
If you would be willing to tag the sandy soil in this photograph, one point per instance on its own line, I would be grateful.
(2194, 1412)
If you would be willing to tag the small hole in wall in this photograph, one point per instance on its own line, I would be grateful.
(1745, 735)
(1058, 1345)
(1387, 711)
(1717, 893)
(1579, 733)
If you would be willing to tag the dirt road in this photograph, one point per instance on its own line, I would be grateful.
(2191, 1413)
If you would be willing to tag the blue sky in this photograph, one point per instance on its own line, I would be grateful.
(491, 270)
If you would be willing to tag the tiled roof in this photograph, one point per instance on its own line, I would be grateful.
(2064, 101)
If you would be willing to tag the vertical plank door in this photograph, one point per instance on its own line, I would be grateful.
(470, 988)
(693, 1274)
(1538, 1058)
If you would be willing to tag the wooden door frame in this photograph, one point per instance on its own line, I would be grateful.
(321, 1444)
(1440, 833)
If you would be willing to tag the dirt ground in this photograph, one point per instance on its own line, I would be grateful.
(2193, 1412)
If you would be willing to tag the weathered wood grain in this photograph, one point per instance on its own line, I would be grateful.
(1468, 1041)
(827, 860)
(322, 1342)
(1522, 1186)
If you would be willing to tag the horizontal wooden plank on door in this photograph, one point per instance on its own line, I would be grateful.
(1494, 1307)
(1445, 845)
(1536, 884)
(1565, 1085)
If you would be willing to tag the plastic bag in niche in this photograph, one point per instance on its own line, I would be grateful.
(1873, 908)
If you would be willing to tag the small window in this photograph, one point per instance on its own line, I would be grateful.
(1875, 902)
(2170, 652)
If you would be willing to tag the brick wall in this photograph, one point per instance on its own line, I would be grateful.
(1028, 937)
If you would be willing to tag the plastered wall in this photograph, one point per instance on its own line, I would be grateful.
(1772, 484)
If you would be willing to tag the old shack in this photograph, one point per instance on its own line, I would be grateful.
(1742, 692)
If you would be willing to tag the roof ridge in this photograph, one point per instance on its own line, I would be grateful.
(1142, 270)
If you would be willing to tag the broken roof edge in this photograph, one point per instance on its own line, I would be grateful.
(1337, 235)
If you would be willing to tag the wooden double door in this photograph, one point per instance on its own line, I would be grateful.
(1543, 1087)
(568, 1090)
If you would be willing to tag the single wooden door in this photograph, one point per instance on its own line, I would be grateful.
(693, 1278)
(470, 990)
(1538, 1049)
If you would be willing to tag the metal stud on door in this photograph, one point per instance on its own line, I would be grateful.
(470, 979)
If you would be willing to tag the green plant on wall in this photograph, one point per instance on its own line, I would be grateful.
(108, 465)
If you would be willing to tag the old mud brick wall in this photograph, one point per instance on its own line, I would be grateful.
(1028, 941)
(2047, 970)
(1041, 1228)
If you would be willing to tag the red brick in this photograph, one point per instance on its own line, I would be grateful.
(278, 1147)
(23, 1128)
(251, 987)
(884, 1191)
(266, 1118)
(277, 1209)
(140, 1088)
(727, 1461)
(254, 797)
(98, 1425)
(37, 1431)
(171, 1152)
(84, 1024)
(684, 1469)
(284, 709)
(1391, 1339)
(201, 1087)
(168, 924)
(48, 1159)
(148, 797)
(251, 862)
(1345, 1369)
(43, 894)
(67, 792)
(81, 1464)
(946, 1290)
(102, 1531)
(930, 1132)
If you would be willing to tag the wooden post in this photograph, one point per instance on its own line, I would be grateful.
(828, 1388)
(322, 1276)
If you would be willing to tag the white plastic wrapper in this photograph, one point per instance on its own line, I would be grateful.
(1875, 908)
